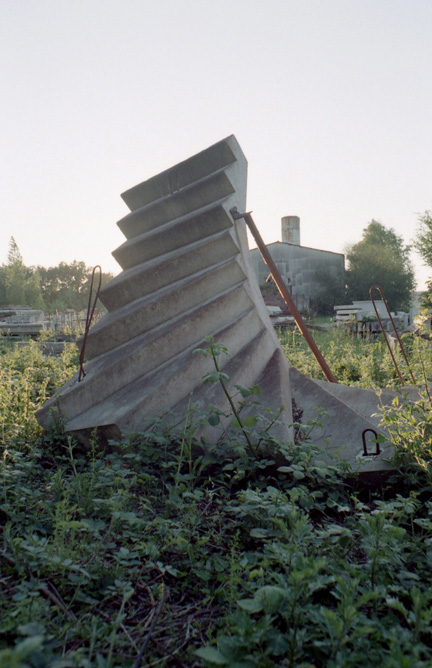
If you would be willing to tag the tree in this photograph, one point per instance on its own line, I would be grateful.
(380, 258)
(331, 289)
(19, 285)
(15, 275)
(65, 286)
(423, 245)
(14, 254)
(68, 285)
(423, 239)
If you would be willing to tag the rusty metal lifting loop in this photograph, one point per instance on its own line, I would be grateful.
(365, 450)
(284, 291)
(377, 287)
(89, 318)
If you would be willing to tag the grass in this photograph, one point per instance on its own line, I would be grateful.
(167, 552)
(358, 361)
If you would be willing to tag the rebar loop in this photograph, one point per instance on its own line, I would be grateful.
(284, 291)
(366, 453)
(89, 318)
(377, 287)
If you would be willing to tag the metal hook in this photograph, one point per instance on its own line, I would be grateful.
(365, 450)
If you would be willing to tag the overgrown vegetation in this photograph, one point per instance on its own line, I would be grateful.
(380, 258)
(331, 287)
(423, 245)
(65, 286)
(165, 552)
(356, 360)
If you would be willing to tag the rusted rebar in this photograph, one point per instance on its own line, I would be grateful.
(377, 287)
(89, 318)
(284, 291)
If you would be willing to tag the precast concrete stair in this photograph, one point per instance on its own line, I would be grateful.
(136, 402)
(146, 313)
(172, 235)
(107, 373)
(147, 277)
(186, 277)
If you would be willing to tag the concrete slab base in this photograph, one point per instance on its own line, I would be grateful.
(342, 413)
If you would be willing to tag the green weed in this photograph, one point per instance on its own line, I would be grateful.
(166, 551)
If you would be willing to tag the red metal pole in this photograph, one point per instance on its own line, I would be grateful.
(401, 346)
(284, 291)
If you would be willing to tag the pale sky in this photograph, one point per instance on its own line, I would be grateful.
(330, 100)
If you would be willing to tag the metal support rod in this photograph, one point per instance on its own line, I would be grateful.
(284, 291)
(89, 318)
(377, 287)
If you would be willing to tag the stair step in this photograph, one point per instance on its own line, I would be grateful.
(142, 315)
(149, 395)
(145, 278)
(173, 235)
(199, 166)
(200, 194)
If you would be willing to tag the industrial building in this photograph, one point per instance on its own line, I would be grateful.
(299, 266)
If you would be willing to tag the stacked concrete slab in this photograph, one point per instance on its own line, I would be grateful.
(186, 275)
(21, 321)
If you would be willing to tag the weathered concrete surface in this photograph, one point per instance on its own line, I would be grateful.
(349, 411)
(339, 433)
(186, 276)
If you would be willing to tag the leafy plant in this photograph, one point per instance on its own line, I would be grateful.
(358, 361)
(165, 551)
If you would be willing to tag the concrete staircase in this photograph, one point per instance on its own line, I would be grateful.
(186, 275)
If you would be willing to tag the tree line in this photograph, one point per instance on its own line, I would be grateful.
(65, 286)
(380, 258)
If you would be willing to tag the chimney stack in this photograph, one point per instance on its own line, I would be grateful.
(290, 226)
